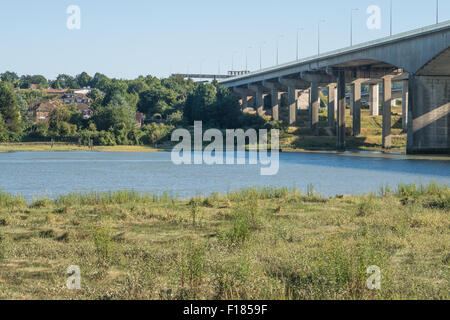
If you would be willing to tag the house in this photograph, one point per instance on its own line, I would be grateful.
(75, 98)
(84, 91)
(55, 91)
(42, 109)
(140, 119)
(85, 111)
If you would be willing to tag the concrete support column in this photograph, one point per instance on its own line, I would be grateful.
(405, 96)
(259, 98)
(292, 106)
(314, 107)
(429, 115)
(352, 99)
(374, 99)
(275, 98)
(356, 102)
(332, 98)
(244, 101)
(341, 112)
(387, 104)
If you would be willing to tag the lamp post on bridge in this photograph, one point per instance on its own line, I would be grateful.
(278, 45)
(437, 11)
(232, 60)
(351, 25)
(260, 54)
(246, 58)
(391, 19)
(298, 42)
(318, 36)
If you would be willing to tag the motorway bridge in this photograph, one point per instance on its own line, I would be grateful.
(419, 58)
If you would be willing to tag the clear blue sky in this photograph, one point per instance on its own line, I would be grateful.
(126, 39)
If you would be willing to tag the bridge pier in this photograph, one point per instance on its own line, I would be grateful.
(332, 103)
(292, 103)
(429, 114)
(387, 105)
(341, 111)
(356, 103)
(275, 98)
(314, 109)
(374, 99)
(292, 84)
(243, 96)
(405, 96)
(259, 98)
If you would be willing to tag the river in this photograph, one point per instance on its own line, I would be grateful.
(37, 174)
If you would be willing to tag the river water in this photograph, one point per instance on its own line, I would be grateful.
(35, 174)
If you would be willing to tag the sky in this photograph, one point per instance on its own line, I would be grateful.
(125, 39)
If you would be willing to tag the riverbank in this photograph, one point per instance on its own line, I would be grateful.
(253, 244)
(48, 147)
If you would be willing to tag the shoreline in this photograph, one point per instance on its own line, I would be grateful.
(120, 240)
(67, 147)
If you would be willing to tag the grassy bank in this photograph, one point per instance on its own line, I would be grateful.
(253, 244)
(370, 139)
(294, 139)
(43, 146)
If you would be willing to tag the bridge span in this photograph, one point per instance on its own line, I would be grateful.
(419, 58)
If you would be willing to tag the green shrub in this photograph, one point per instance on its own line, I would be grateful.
(192, 270)
(103, 243)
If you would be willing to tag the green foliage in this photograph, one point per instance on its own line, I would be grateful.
(112, 197)
(10, 201)
(103, 243)
(244, 221)
(192, 271)
(9, 110)
(195, 210)
(170, 103)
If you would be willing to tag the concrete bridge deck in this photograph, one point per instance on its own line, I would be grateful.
(419, 58)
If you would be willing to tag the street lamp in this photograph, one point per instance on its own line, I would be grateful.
(391, 19)
(298, 42)
(318, 36)
(351, 25)
(232, 60)
(246, 58)
(437, 11)
(260, 54)
(278, 45)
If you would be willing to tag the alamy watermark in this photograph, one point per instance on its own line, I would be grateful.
(214, 152)
(374, 281)
(374, 20)
(74, 280)
(74, 20)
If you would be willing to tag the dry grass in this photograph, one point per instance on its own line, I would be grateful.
(253, 244)
(41, 146)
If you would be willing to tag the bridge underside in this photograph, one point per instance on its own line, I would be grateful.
(429, 107)
(421, 61)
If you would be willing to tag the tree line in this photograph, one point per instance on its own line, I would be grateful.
(167, 104)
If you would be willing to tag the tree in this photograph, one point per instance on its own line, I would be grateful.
(113, 88)
(63, 121)
(116, 114)
(197, 106)
(100, 81)
(65, 81)
(9, 108)
(83, 80)
(9, 76)
(23, 108)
